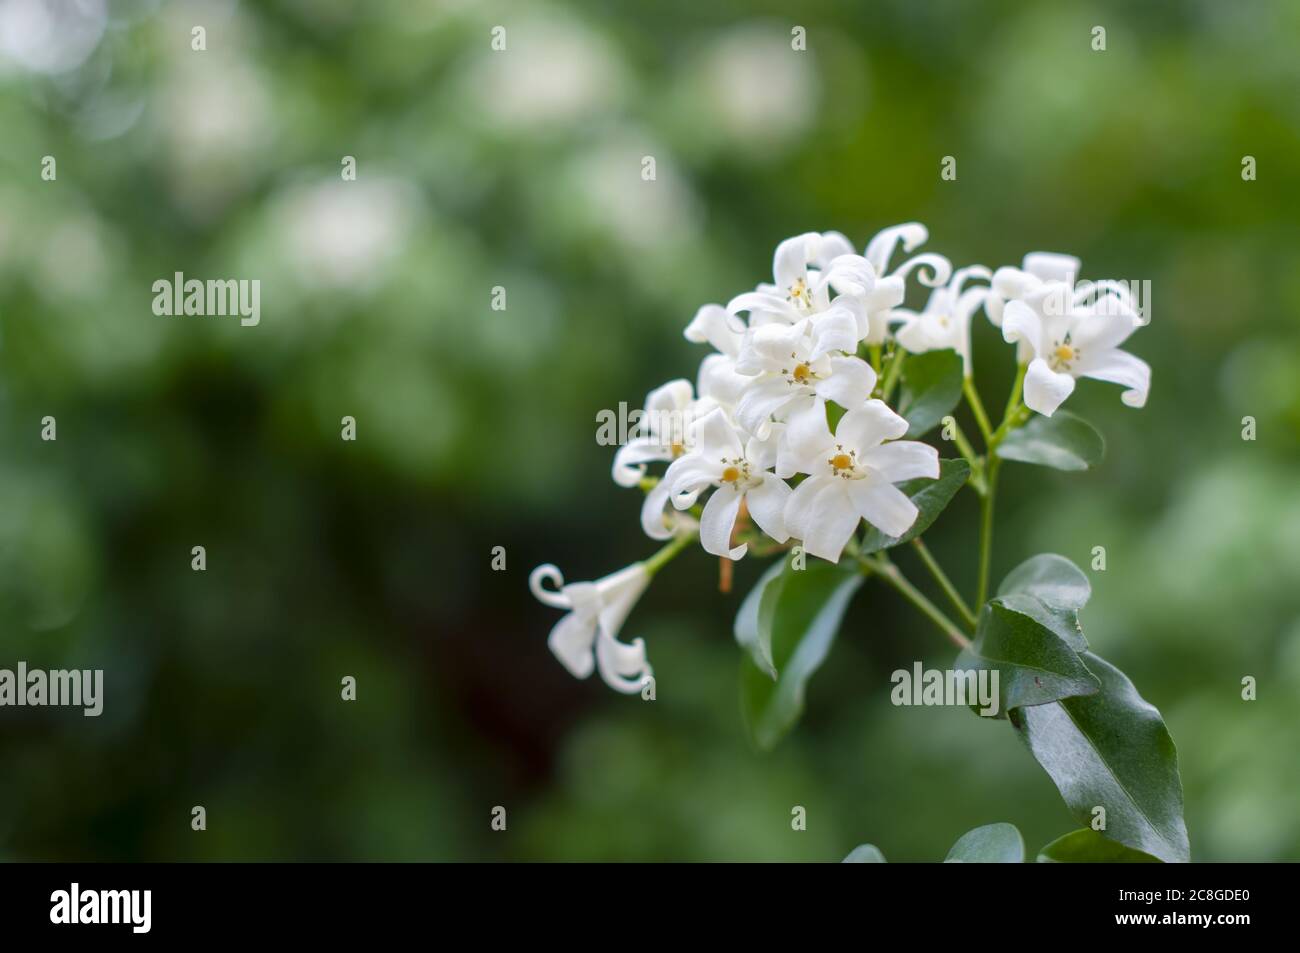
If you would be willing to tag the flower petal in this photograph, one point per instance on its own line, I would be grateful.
(550, 597)
(712, 324)
(834, 330)
(881, 248)
(790, 263)
(623, 665)
(868, 426)
(1022, 323)
(654, 521)
(902, 460)
(1046, 389)
(1050, 266)
(766, 503)
(631, 458)
(801, 506)
(831, 519)
(850, 384)
(570, 641)
(884, 506)
(768, 396)
(719, 520)
(1120, 367)
(806, 441)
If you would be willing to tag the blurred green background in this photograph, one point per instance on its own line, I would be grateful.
(476, 427)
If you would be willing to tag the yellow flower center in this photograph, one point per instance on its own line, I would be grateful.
(730, 475)
(1064, 353)
(841, 461)
(677, 450)
(802, 374)
(797, 289)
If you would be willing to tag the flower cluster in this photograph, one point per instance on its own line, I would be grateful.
(787, 436)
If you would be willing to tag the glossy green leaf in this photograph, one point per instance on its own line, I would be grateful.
(864, 854)
(930, 497)
(1062, 441)
(1112, 750)
(931, 388)
(753, 627)
(1088, 847)
(990, 844)
(1051, 590)
(806, 608)
(1035, 666)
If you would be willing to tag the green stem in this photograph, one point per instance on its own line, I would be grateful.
(891, 574)
(666, 554)
(1017, 388)
(968, 452)
(892, 374)
(977, 408)
(944, 582)
(986, 528)
(874, 351)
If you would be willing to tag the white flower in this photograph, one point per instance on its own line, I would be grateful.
(1015, 284)
(890, 288)
(798, 291)
(795, 368)
(1065, 340)
(666, 422)
(740, 473)
(945, 322)
(851, 477)
(718, 383)
(587, 637)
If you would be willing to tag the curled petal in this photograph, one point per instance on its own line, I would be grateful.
(623, 665)
(1120, 367)
(554, 598)
(940, 269)
(631, 458)
(881, 248)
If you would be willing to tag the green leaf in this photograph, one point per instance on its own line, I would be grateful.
(1063, 441)
(1051, 590)
(990, 844)
(1088, 847)
(931, 388)
(753, 627)
(1112, 750)
(806, 610)
(864, 854)
(1035, 666)
(930, 497)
